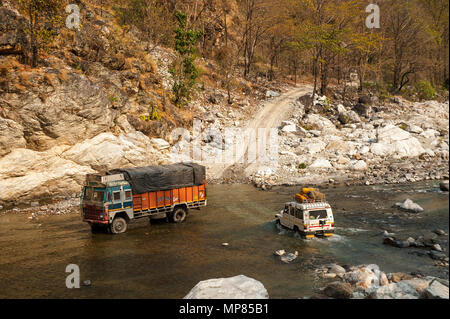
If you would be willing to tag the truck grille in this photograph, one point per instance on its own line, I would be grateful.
(92, 212)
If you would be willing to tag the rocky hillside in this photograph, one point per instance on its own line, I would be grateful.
(89, 104)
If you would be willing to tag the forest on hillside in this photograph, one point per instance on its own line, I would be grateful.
(405, 52)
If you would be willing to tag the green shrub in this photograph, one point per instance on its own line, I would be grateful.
(302, 166)
(425, 90)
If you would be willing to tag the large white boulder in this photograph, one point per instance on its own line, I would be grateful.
(321, 163)
(409, 205)
(315, 146)
(436, 290)
(322, 123)
(239, 287)
(392, 141)
(288, 127)
(401, 290)
(26, 173)
(357, 165)
(107, 151)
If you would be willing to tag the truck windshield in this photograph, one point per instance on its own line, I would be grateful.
(95, 195)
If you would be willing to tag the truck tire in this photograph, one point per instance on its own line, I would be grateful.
(178, 215)
(118, 226)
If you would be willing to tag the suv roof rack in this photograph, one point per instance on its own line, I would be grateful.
(312, 205)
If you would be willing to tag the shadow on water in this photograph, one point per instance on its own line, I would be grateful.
(165, 260)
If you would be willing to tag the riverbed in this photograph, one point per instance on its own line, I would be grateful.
(164, 260)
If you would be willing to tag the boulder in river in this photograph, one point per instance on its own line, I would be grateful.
(402, 243)
(440, 232)
(444, 186)
(436, 290)
(401, 290)
(337, 269)
(409, 205)
(287, 258)
(389, 241)
(339, 290)
(239, 287)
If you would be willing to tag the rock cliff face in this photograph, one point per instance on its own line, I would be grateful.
(64, 112)
(70, 116)
(12, 35)
(61, 170)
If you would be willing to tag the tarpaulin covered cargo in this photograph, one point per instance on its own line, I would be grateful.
(163, 177)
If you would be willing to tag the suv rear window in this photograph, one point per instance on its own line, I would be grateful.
(318, 214)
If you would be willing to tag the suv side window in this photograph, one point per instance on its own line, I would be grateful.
(292, 211)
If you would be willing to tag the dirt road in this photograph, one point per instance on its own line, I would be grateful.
(270, 114)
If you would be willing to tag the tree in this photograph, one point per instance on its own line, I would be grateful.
(152, 17)
(255, 24)
(184, 71)
(44, 18)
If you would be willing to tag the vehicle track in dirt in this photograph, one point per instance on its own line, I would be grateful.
(270, 114)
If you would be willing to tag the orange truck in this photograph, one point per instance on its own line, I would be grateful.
(111, 201)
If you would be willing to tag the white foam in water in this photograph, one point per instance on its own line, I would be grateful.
(353, 230)
(337, 238)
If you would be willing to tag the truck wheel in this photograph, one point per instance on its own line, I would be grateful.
(118, 226)
(178, 215)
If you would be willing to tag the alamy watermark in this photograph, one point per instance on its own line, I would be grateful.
(73, 280)
(227, 146)
(373, 20)
(73, 19)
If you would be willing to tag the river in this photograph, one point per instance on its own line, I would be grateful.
(166, 260)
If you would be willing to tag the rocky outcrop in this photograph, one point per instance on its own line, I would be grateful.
(13, 39)
(71, 109)
(239, 287)
(61, 170)
(11, 136)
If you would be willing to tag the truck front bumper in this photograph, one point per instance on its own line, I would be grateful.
(93, 221)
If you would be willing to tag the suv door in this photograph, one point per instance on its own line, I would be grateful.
(285, 218)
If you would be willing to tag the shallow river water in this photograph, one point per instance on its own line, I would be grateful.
(166, 260)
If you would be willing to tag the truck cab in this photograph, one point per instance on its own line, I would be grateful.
(310, 219)
(106, 199)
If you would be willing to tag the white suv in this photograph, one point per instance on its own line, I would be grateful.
(309, 219)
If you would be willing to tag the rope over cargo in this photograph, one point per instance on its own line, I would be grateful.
(162, 177)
